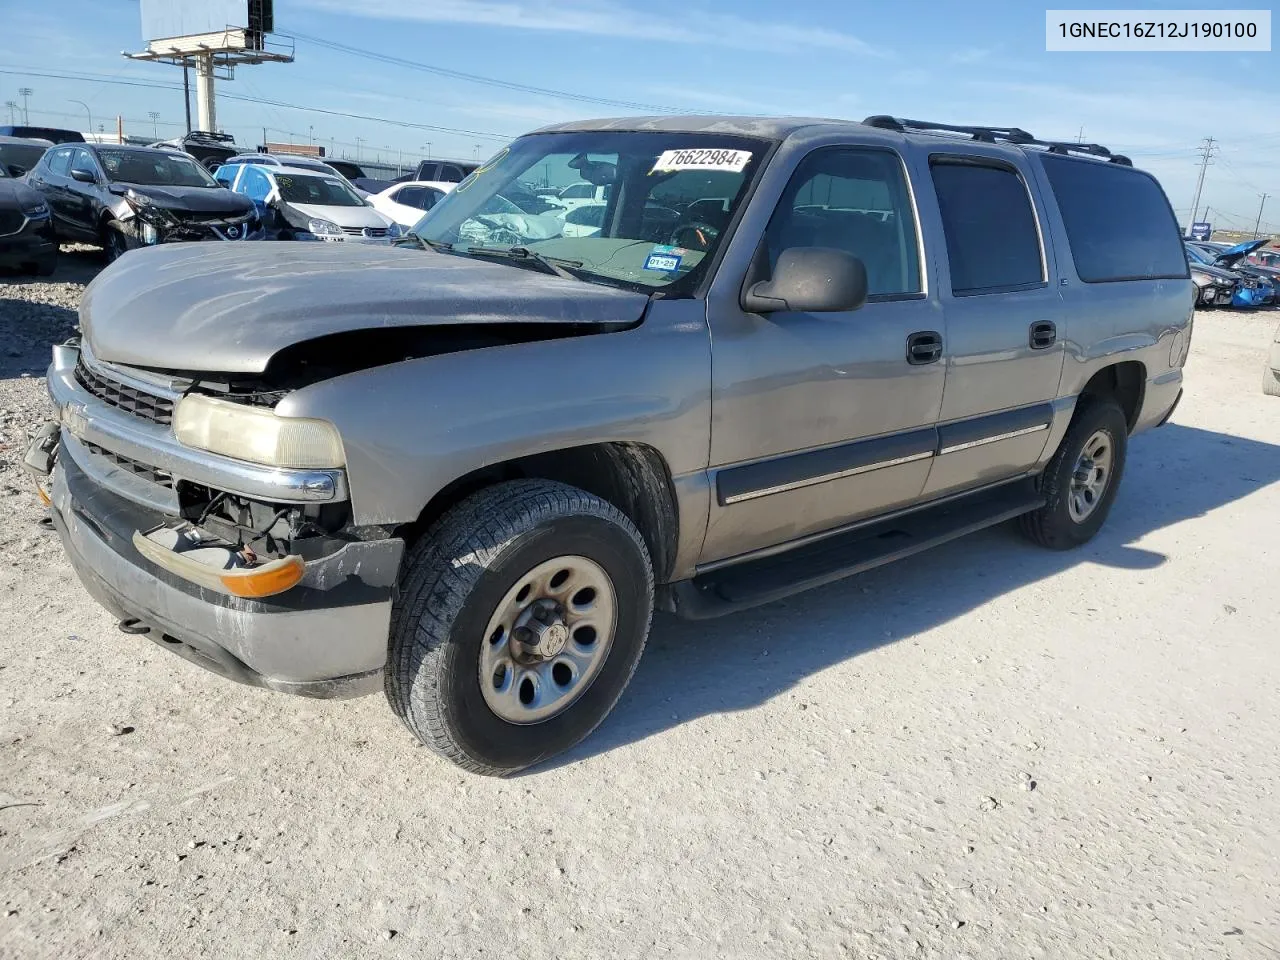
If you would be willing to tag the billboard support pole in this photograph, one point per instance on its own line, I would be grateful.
(205, 93)
(186, 93)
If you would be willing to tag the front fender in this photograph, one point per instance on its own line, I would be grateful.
(410, 428)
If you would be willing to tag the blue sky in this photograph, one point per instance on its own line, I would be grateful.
(978, 62)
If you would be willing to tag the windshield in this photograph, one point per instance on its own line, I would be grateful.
(1199, 256)
(319, 191)
(21, 155)
(660, 203)
(153, 168)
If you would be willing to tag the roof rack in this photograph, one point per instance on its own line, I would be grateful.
(1012, 135)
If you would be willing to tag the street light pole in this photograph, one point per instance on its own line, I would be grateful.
(311, 135)
(12, 107)
(155, 122)
(87, 113)
(359, 149)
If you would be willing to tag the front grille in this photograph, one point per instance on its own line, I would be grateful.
(137, 402)
(153, 474)
(11, 221)
(373, 233)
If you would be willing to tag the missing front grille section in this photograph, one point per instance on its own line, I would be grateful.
(146, 472)
(126, 398)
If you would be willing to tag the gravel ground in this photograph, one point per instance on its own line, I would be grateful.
(988, 751)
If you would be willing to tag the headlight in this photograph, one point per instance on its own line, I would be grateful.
(324, 228)
(256, 434)
(150, 234)
(35, 209)
(138, 199)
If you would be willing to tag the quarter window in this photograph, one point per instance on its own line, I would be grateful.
(856, 201)
(993, 244)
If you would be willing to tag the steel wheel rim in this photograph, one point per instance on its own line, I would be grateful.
(1091, 476)
(530, 671)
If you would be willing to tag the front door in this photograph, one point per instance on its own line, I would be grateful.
(822, 419)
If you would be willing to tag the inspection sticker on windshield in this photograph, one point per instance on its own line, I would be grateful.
(731, 160)
(666, 262)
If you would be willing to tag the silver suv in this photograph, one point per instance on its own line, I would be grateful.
(466, 468)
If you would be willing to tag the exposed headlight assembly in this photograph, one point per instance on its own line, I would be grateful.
(324, 228)
(256, 434)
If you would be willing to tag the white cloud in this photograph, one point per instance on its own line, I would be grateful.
(606, 18)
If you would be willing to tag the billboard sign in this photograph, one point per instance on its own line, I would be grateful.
(1201, 230)
(296, 149)
(170, 19)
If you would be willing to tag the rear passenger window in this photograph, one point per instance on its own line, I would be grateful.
(992, 241)
(856, 201)
(1118, 221)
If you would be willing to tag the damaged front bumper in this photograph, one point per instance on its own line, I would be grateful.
(314, 622)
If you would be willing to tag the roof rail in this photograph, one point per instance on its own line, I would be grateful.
(1013, 135)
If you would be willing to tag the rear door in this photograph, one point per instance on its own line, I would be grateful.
(999, 291)
(51, 179)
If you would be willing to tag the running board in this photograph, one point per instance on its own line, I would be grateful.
(754, 582)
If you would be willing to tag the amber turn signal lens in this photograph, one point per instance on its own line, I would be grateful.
(272, 579)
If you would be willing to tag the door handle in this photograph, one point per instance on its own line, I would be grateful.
(924, 347)
(1044, 334)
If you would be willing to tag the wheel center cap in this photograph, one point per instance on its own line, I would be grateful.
(554, 639)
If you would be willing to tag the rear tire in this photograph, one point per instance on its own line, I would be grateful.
(1270, 381)
(456, 624)
(1081, 480)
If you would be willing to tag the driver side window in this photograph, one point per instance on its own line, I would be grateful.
(81, 160)
(854, 200)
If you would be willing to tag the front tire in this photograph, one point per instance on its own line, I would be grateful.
(1081, 480)
(521, 616)
(113, 240)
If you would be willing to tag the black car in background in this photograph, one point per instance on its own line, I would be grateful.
(52, 134)
(122, 197)
(20, 154)
(26, 228)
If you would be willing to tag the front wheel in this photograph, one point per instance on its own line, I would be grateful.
(520, 618)
(1081, 480)
(113, 240)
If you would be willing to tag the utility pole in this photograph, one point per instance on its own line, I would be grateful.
(1206, 155)
(155, 122)
(25, 92)
(359, 149)
(12, 107)
(1080, 136)
(477, 146)
(311, 135)
(428, 149)
(1257, 225)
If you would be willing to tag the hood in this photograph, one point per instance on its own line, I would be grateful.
(216, 201)
(1216, 273)
(228, 307)
(1232, 255)
(342, 216)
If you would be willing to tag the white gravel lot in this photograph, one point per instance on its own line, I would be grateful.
(989, 751)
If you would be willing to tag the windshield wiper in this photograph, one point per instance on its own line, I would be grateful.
(422, 243)
(555, 265)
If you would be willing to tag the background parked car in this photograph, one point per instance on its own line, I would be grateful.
(1244, 290)
(405, 203)
(1238, 258)
(26, 227)
(449, 171)
(305, 204)
(52, 134)
(122, 197)
(211, 149)
(20, 154)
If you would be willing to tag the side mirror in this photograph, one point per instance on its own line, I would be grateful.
(83, 176)
(810, 280)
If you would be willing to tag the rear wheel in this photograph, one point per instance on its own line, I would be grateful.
(521, 616)
(1082, 479)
